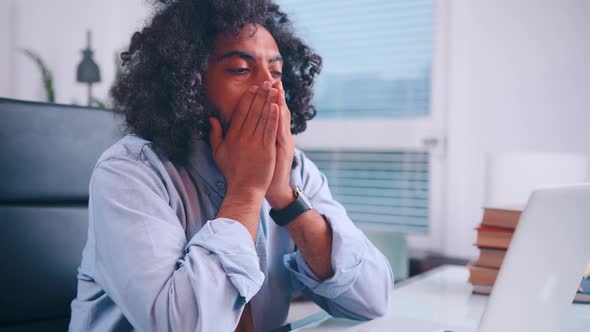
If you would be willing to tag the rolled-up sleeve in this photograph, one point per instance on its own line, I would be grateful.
(158, 279)
(363, 281)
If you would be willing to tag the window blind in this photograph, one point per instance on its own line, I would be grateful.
(379, 187)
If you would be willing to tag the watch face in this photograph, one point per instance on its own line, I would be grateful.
(303, 198)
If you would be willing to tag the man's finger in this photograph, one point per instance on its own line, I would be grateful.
(240, 113)
(284, 125)
(270, 98)
(279, 86)
(255, 111)
(284, 115)
(270, 130)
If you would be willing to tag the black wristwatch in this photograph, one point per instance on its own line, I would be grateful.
(292, 211)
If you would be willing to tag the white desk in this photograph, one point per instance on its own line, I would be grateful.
(439, 298)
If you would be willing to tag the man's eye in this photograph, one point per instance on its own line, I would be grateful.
(277, 74)
(238, 71)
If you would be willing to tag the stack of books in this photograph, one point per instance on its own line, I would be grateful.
(493, 239)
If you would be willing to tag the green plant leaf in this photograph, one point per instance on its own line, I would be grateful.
(46, 74)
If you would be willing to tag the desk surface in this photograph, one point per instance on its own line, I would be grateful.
(439, 298)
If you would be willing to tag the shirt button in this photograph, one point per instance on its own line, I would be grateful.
(220, 185)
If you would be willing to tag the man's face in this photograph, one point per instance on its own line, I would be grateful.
(237, 63)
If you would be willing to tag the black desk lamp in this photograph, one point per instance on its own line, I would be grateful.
(88, 71)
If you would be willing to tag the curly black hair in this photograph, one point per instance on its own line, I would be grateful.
(161, 91)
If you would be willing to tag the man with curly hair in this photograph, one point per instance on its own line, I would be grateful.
(205, 217)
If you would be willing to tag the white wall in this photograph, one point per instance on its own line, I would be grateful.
(518, 80)
(56, 30)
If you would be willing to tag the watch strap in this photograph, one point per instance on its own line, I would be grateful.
(299, 206)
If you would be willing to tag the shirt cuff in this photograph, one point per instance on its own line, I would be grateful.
(231, 242)
(348, 252)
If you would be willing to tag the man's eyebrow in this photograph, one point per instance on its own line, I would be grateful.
(241, 54)
(275, 59)
(247, 56)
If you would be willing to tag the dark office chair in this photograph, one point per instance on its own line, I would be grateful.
(47, 154)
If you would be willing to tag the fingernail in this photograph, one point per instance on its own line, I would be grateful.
(266, 85)
(254, 89)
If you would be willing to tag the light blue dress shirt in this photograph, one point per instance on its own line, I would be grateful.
(157, 259)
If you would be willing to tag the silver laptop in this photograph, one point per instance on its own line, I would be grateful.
(541, 271)
(544, 264)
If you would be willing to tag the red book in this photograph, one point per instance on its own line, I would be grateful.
(482, 275)
(505, 217)
(489, 257)
(493, 237)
